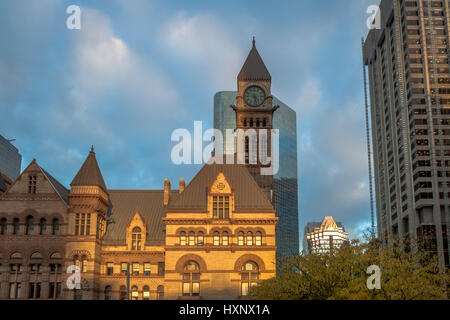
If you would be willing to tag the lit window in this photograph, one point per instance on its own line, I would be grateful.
(249, 238)
(136, 268)
(241, 238)
(123, 267)
(216, 238)
(182, 238)
(134, 293)
(249, 277)
(225, 238)
(83, 264)
(191, 238)
(136, 239)
(258, 238)
(191, 279)
(146, 293)
(147, 269)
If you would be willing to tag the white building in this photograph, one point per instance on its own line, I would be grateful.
(321, 237)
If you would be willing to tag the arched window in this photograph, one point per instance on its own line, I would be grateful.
(249, 277)
(146, 293)
(36, 255)
(83, 263)
(160, 293)
(108, 293)
(216, 238)
(55, 227)
(241, 238)
(16, 255)
(134, 293)
(182, 238)
(123, 293)
(264, 122)
(192, 238)
(225, 238)
(16, 226)
(258, 238)
(42, 226)
(136, 239)
(29, 225)
(200, 238)
(16, 262)
(251, 123)
(3, 226)
(191, 279)
(249, 238)
(245, 122)
(257, 123)
(76, 261)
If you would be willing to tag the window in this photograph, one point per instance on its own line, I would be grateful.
(225, 238)
(216, 238)
(35, 268)
(221, 207)
(3, 226)
(42, 226)
(147, 269)
(76, 261)
(32, 184)
(134, 293)
(34, 291)
(161, 268)
(146, 293)
(55, 268)
(191, 279)
(109, 268)
(241, 238)
(54, 290)
(249, 238)
(258, 238)
(108, 293)
(15, 290)
(182, 238)
(29, 225)
(249, 277)
(135, 268)
(200, 238)
(123, 267)
(191, 238)
(55, 227)
(83, 263)
(16, 226)
(136, 239)
(160, 293)
(123, 293)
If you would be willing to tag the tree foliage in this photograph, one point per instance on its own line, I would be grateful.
(342, 275)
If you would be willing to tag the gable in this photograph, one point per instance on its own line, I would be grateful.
(36, 183)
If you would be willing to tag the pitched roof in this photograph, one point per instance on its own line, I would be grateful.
(89, 173)
(59, 188)
(254, 67)
(149, 204)
(312, 225)
(249, 196)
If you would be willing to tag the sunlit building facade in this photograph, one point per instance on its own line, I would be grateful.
(322, 237)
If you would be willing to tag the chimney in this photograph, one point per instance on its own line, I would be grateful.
(166, 191)
(182, 185)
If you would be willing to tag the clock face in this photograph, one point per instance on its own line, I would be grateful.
(254, 96)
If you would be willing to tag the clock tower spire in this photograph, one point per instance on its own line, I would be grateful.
(254, 115)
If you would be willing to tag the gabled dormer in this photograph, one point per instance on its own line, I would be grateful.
(136, 233)
(220, 198)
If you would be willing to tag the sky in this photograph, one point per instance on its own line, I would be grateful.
(137, 70)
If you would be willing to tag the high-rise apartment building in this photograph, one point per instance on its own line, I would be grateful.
(10, 159)
(322, 237)
(408, 72)
(285, 181)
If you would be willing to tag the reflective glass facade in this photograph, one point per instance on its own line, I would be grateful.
(10, 159)
(285, 181)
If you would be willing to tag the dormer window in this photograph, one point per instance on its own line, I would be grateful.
(221, 207)
(136, 242)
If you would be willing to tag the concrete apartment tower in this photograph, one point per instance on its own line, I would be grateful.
(408, 71)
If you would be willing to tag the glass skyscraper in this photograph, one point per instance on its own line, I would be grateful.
(10, 159)
(285, 181)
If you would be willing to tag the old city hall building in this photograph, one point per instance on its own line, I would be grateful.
(211, 239)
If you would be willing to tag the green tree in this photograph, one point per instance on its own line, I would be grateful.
(409, 274)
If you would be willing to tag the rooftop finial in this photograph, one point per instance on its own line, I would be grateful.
(254, 42)
(92, 148)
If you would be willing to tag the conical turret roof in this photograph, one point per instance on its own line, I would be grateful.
(89, 173)
(254, 67)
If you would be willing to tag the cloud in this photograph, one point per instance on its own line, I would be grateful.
(310, 96)
(202, 39)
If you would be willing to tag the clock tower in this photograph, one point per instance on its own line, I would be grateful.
(254, 115)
